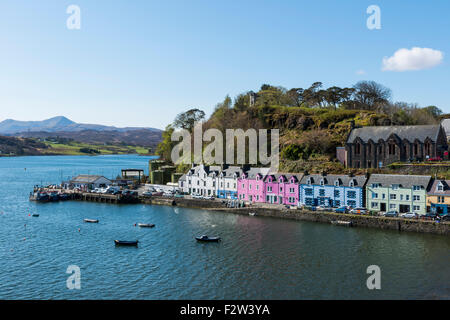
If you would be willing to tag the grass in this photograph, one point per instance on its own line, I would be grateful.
(73, 148)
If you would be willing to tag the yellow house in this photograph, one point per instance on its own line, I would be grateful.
(438, 198)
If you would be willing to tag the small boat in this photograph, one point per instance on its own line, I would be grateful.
(35, 215)
(205, 238)
(126, 243)
(342, 223)
(146, 225)
(91, 220)
(252, 214)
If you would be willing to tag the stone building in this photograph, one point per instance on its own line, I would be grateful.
(375, 147)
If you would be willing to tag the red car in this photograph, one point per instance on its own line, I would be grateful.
(435, 159)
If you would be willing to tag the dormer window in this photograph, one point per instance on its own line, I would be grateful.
(308, 181)
(322, 182)
(396, 186)
(352, 183)
(336, 183)
(440, 187)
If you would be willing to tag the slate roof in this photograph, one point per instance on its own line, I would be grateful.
(253, 172)
(344, 180)
(85, 178)
(434, 191)
(230, 171)
(410, 133)
(446, 125)
(405, 181)
(287, 175)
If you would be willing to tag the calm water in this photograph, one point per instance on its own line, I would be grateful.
(259, 258)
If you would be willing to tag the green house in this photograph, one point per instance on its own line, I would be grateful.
(401, 193)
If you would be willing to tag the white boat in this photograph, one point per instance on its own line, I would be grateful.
(91, 220)
(342, 223)
(252, 214)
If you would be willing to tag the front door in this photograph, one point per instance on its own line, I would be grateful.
(383, 206)
(404, 208)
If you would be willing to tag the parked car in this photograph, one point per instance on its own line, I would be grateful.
(429, 216)
(445, 217)
(209, 198)
(340, 210)
(358, 211)
(435, 159)
(409, 215)
(147, 194)
(321, 208)
(391, 214)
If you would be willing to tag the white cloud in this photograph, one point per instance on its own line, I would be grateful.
(413, 59)
(361, 72)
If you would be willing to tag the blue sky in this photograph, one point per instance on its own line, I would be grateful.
(140, 63)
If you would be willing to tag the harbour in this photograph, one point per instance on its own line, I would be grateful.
(259, 257)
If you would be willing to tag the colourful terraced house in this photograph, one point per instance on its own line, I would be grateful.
(250, 185)
(401, 193)
(332, 190)
(438, 197)
(282, 188)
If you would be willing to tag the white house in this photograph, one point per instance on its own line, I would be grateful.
(227, 182)
(201, 180)
(89, 182)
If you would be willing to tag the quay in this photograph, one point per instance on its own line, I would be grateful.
(268, 210)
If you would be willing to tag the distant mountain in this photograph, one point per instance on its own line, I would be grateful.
(90, 133)
(57, 124)
(137, 137)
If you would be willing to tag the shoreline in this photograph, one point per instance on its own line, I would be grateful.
(365, 221)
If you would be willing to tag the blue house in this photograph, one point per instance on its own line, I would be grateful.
(332, 190)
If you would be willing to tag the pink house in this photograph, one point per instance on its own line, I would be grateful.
(250, 185)
(282, 188)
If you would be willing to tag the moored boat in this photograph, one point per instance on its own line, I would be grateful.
(146, 225)
(35, 215)
(205, 238)
(91, 220)
(126, 243)
(342, 223)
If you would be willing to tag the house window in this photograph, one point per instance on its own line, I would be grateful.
(351, 194)
(308, 192)
(351, 203)
(417, 188)
(374, 195)
(267, 198)
(357, 148)
(393, 196)
(309, 201)
(407, 197)
(257, 187)
(337, 193)
(352, 184)
(336, 183)
(269, 189)
(416, 198)
(250, 186)
(291, 190)
(416, 208)
(322, 192)
(337, 203)
(440, 187)
(374, 204)
(392, 149)
(392, 206)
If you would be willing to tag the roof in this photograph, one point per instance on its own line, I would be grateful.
(446, 125)
(253, 172)
(436, 192)
(288, 176)
(86, 178)
(230, 171)
(405, 181)
(410, 133)
(330, 179)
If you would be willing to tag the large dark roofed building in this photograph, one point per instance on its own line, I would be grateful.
(372, 147)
